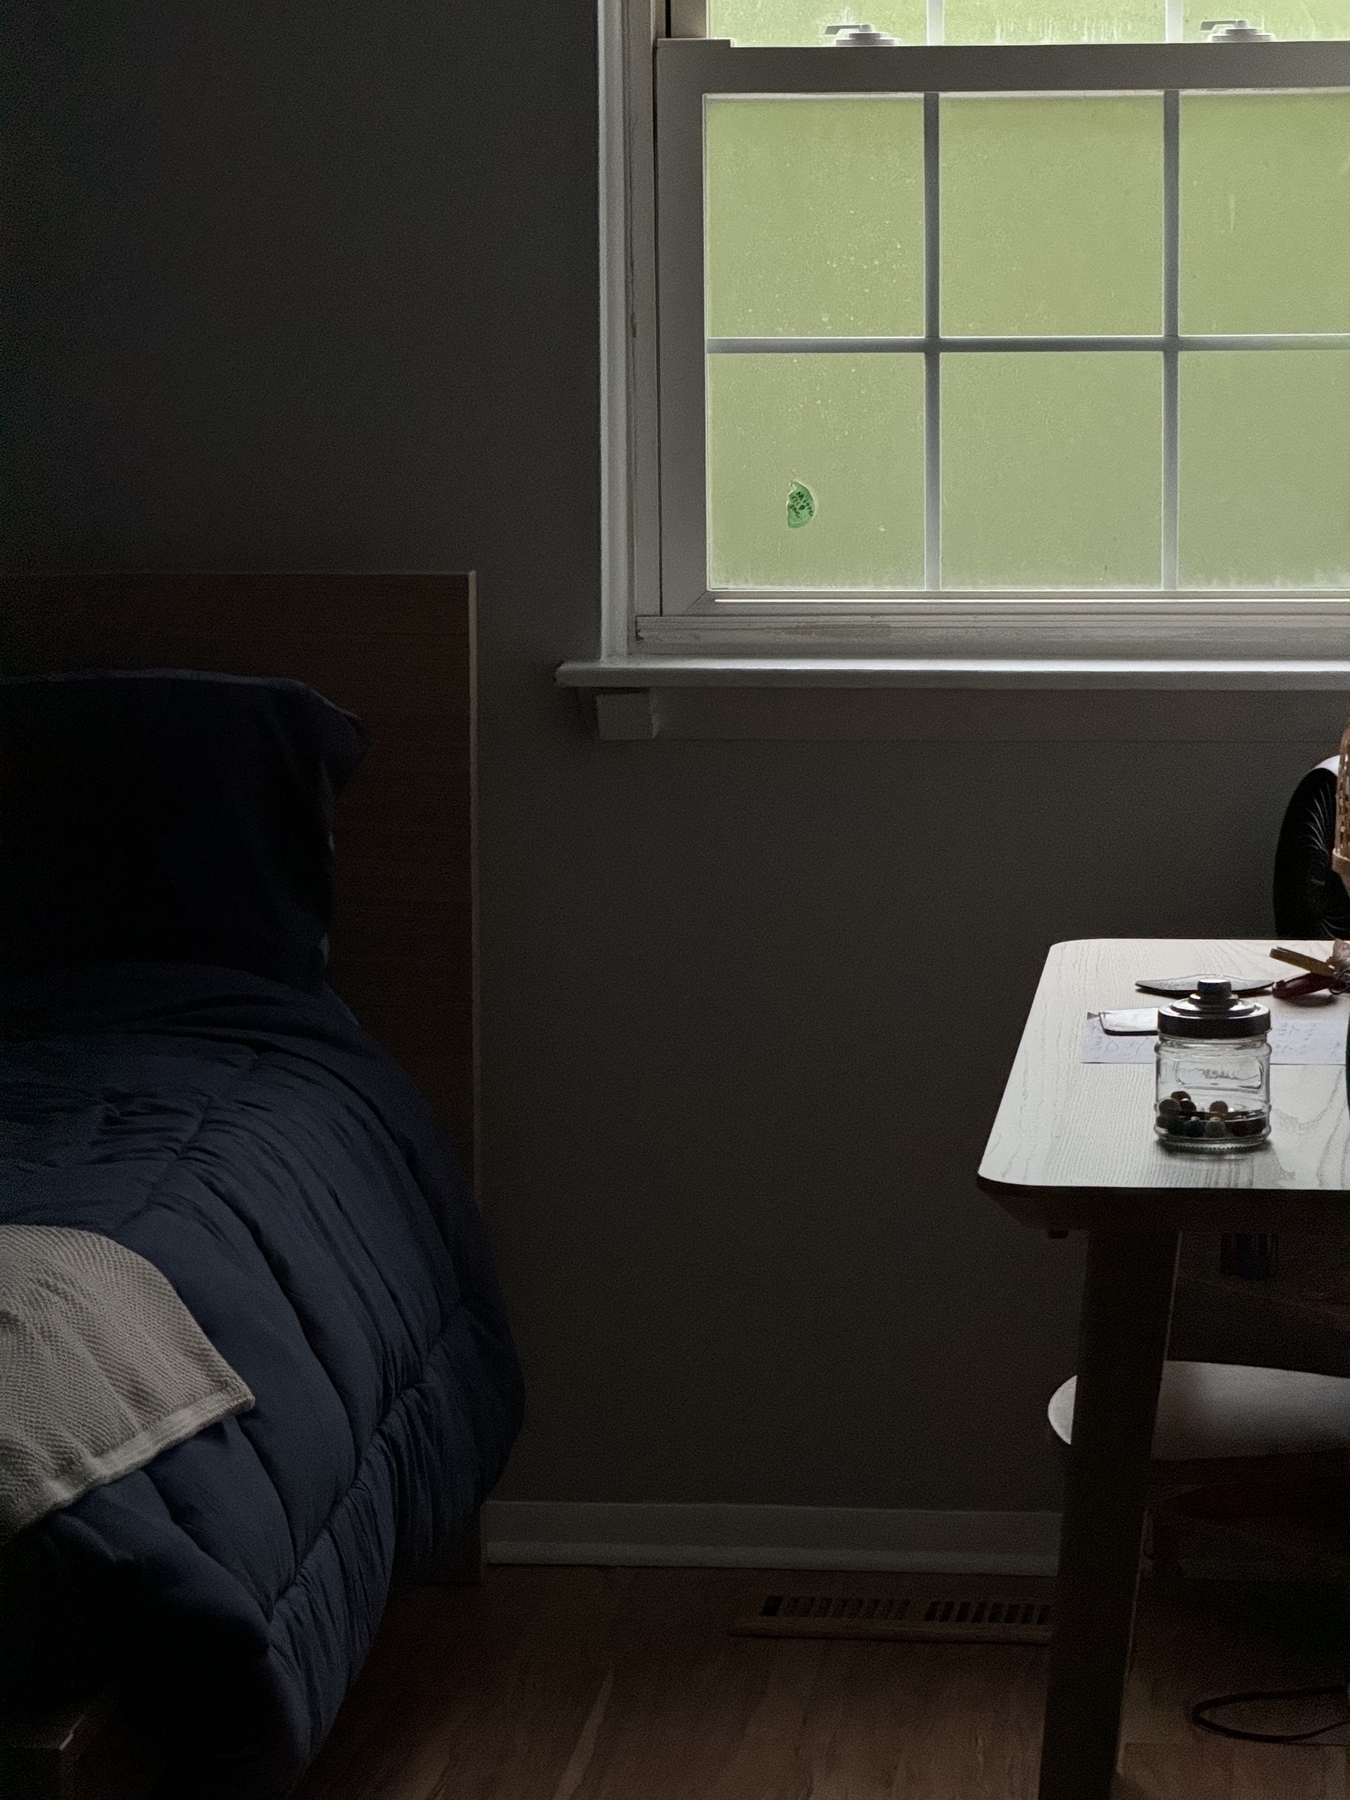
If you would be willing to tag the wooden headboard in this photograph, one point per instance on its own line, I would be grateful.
(399, 650)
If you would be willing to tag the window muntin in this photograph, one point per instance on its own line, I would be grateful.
(1041, 470)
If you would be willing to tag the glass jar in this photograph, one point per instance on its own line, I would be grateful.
(1213, 1060)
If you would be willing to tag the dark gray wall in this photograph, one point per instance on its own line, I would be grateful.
(314, 286)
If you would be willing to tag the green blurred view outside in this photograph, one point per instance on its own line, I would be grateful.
(803, 22)
(1043, 466)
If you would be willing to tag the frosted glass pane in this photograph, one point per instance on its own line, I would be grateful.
(1286, 18)
(1052, 215)
(1005, 22)
(814, 217)
(815, 471)
(1052, 470)
(1054, 22)
(1265, 469)
(1265, 212)
(804, 21)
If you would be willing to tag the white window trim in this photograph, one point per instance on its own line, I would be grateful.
(1264, 639)
(630, 514)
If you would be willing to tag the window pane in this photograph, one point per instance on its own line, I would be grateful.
(1008, 22)
(1056, 22)
(1052, 215)
(815, 471)
(1052, 470)
(1286, 18)
(1265, 468)
(1265, 212)
(804, 21)
(814, 217)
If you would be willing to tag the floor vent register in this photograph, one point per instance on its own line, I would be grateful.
(918, 1618)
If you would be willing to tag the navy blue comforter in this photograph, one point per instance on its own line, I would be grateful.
(285, 1175)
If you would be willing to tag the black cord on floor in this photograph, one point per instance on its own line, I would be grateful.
(1203, 1707)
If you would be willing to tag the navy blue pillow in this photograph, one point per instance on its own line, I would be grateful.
(167, 816)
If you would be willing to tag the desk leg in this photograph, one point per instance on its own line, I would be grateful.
(1127, 1307)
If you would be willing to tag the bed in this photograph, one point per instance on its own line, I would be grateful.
(277, 1161)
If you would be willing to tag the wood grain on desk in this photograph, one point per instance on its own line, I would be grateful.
(1073, 1145)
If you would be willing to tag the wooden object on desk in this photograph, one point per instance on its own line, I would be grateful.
(1073, 1148)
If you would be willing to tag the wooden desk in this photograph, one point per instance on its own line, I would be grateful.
(1073, 1149)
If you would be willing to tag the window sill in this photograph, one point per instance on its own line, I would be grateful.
(994, 698)
(1303, 674)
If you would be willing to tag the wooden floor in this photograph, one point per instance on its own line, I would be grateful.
(623, 1684)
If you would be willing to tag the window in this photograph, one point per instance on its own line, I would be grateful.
(1034, 331)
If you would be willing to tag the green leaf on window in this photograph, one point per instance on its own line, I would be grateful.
(801, 506)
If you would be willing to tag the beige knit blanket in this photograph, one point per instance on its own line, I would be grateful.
(101, 1368)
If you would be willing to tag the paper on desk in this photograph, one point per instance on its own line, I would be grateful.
(1318, 1039)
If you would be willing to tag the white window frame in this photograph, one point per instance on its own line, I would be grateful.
(656, 604)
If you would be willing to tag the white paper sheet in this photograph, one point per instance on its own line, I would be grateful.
(1131, 1021)
(1316, 1039)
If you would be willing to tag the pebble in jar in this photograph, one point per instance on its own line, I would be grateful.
(1213, 1057)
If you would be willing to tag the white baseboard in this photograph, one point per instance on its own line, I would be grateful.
(772, 1537)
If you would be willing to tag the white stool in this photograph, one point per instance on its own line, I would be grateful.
(1229, 1424)
(1227, 1410)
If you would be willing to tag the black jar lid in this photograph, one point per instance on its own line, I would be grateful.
(1213, 1011)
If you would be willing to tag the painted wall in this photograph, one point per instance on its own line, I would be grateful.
(314, 286)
